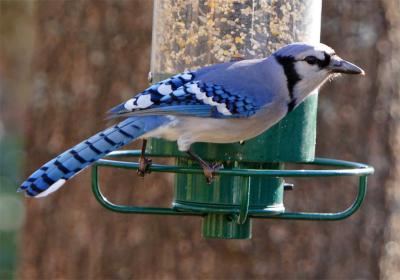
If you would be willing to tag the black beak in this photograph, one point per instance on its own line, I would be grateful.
(338, 65)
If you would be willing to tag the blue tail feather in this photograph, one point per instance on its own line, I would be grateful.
(54, 173)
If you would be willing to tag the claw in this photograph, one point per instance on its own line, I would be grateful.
(208, 169)
(144, 166)
(144, 163)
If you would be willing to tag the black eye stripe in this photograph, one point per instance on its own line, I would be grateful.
(312, 60)
(327, 60)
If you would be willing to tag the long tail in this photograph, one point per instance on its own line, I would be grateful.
(52, 175)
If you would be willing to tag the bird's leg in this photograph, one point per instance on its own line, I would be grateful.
(144, 163)
(208, 168)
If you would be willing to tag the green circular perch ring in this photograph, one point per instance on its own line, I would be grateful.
(243, 212)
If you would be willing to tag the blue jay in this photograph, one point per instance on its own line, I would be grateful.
(221, 103)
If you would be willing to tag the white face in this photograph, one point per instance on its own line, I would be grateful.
(311, 68)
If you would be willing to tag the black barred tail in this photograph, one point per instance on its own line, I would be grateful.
(56, 172)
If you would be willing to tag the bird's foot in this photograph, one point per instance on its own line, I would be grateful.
(144, 166)
(210, 169)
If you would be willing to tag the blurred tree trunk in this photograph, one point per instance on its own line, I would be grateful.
(389, 87)
(90, 55)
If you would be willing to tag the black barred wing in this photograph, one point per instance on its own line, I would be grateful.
(182, 94)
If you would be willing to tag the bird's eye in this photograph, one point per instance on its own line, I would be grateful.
(311, 60)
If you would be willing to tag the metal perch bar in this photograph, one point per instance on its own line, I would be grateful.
(244, 211)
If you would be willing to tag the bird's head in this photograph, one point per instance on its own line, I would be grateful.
(308, 66)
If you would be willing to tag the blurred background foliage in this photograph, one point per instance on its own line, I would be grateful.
(64, 63)
(16, 48)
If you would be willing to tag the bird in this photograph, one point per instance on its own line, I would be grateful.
(221, 103)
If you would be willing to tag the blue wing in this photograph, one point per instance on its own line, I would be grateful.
(183, 95)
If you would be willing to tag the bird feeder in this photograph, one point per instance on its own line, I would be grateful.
(191, 34)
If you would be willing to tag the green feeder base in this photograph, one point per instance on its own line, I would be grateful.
(225, 227)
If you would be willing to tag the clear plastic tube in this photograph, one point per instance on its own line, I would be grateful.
(188, 34)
